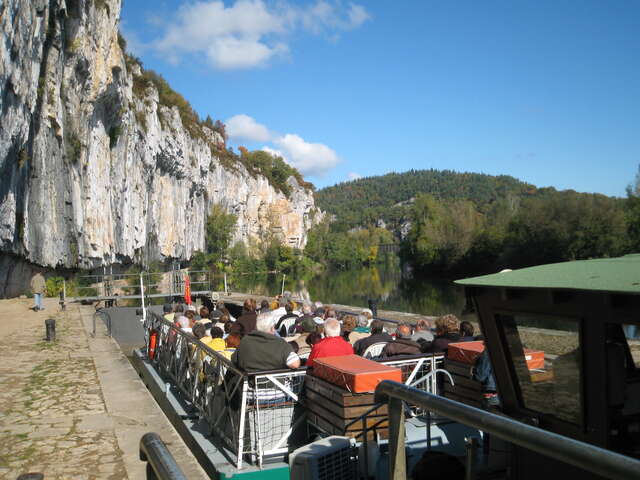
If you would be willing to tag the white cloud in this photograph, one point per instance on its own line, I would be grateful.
(245, 127)
(250, 33)
(308, 158)
(353, 176)
(274, 152)
(357, 15)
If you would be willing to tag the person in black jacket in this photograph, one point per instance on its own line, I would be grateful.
(280, 326)
(447, 331)
(402, 345)
(377, 336)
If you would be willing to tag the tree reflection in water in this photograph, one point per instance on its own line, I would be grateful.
(428, 296)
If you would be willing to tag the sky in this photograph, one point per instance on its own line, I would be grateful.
(547, 91)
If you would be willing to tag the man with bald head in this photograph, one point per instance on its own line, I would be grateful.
(332, 345)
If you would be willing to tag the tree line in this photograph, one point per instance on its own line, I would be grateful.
(454, 223)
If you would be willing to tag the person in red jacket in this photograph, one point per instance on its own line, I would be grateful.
(332, 345)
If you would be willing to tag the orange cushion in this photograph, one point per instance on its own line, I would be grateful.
(354, 373)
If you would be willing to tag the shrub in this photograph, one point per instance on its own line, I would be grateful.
(122, 42)
(114, 134)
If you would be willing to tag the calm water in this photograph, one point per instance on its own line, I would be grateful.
(353, 287)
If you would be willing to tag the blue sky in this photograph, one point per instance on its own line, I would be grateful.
(545, 91)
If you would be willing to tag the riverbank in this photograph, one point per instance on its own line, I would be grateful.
(74, 408)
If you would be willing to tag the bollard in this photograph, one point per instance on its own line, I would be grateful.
(62, 305)
(373, 306)
(50, 328)
(31, 476)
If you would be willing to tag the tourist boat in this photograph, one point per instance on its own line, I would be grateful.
(581, 314)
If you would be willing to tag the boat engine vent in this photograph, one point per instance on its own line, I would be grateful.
(332, 458)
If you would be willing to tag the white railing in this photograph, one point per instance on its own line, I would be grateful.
(252, 415)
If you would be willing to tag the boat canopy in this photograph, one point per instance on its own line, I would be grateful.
(614, 275)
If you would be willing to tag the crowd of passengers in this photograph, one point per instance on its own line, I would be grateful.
(281, 334)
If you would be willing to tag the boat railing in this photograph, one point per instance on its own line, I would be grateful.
(583, 455)
(252, 416)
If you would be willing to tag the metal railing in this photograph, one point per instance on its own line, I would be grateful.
(160, 463)
(583, 455)
(106, 318)
(252, 415)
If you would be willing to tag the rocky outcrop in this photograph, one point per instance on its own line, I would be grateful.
(96, 172)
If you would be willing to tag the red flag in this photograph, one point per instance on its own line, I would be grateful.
(187, 290)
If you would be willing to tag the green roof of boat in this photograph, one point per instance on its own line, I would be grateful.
(619, 275)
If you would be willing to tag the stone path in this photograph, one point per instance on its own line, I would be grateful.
(50, 399)
(62, 416)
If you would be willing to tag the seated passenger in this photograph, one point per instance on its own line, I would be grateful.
(313, 338)
(466, 332)
(167, 311)
(447, 331)
(422, 331)
(183, 323)
(348, 326)
(378, 335)
(204, 315)
(261, 349)
(232, 341)
(362, 330)
(191, 315)
(214, 341)
(264, 306)
(308, 326)
(248, 317)
(332, 345)
(281, 328)
(307, 314)
(402, 345)
(217, 343)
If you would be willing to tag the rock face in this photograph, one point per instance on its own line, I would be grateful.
(94, 172)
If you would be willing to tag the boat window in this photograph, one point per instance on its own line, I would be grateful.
(632, 333)
(547, 363)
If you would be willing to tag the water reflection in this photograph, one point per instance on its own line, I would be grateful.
(427, 296)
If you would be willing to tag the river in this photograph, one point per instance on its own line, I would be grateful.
(427, 296)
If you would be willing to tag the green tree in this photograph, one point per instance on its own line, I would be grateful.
(632, 214)
(219, 230)
(441, 233)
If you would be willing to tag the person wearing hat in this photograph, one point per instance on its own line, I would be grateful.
(307, 325)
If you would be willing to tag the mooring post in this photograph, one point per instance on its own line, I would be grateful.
(144, 310)
(50, 329)
(373, 306)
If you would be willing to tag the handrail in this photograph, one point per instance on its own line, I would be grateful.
(106, 317)
(583, 455)
(160, 463)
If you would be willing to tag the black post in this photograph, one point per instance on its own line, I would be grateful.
(373, 306)
(62, 305)
(50, 329)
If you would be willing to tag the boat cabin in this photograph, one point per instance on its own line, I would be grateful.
(585, 317)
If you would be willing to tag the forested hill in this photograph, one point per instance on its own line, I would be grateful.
(388, 197)
(466, 222)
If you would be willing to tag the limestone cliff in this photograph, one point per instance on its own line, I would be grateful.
(94, 171)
